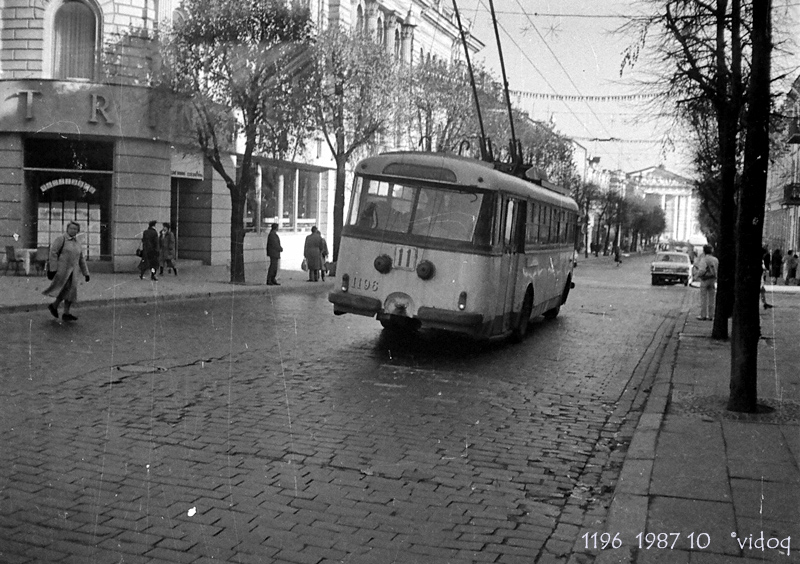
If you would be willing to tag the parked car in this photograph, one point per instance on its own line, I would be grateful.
(671, 267)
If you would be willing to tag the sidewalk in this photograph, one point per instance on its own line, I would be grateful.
(24, 293)
(701, 484)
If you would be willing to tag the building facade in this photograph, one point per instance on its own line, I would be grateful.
(675, 195)
(82, 140)
(782, 206)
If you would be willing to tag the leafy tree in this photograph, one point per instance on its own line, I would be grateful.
(586, 195)
(355, 86)
(440, 107)
(238, 66)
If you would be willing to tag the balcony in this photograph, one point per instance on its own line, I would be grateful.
(791, 194)
(793, 131)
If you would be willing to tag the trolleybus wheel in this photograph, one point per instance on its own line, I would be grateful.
(553, 313)
(519, 331)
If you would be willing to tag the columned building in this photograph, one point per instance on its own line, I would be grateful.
(672, 193)
(81, 140)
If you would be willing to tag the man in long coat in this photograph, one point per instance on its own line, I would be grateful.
(313, 254)
(274, 250)
(66, 256)
(150, 250)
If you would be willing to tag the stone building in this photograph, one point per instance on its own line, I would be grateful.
(782, 207)
(675, 195)
(80, 138)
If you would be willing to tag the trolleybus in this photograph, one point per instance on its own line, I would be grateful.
(435, 240)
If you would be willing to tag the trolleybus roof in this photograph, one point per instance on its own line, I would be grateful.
(449, 168)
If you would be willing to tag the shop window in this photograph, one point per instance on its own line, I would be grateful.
(74, 41)
(68, 180)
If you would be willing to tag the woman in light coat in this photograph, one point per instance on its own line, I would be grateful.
(66, 256)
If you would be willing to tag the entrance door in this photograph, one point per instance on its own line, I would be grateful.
(512, 211)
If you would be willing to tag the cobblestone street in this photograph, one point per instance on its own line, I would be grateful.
(265, 429)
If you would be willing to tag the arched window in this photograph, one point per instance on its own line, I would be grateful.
(74, 41)
(397, 43)
(359, 20)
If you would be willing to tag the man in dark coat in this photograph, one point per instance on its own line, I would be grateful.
(150, 250)
(312, 250)
(274, 250)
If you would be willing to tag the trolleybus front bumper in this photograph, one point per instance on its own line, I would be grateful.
(344, 302)
(348, 303)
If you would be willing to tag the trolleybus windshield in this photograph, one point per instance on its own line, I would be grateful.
(405, 207)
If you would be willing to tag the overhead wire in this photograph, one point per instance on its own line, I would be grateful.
(570, 111)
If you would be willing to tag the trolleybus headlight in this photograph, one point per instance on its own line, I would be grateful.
(345, 282)
(426, 270)
(383, 264)
(462, 301)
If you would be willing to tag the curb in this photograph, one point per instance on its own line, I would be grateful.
(189, 295)
(629, 507)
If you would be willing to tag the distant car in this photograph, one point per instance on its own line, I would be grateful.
(671, 267)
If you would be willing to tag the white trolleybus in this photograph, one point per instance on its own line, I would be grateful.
(440, 241)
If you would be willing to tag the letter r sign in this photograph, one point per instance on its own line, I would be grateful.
(102, 106)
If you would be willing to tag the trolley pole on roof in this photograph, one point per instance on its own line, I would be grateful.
(486, 153)
(516, 157)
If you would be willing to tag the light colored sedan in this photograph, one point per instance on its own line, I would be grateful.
(671, 267)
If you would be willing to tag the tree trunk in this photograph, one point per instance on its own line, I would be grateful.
(338, 202)
(238, 199)
(746, 331)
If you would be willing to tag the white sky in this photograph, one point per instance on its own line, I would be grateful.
(567, 47)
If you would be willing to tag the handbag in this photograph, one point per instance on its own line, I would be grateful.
(52, 273)
(304, 265)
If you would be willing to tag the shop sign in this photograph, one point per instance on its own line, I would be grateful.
(186, 165)
(86, 187)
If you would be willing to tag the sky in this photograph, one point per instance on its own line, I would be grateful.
(564, 59)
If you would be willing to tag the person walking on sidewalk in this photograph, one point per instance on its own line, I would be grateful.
(707, 266)
(274, 251)
(149, 251)
(66, 256)
(777, 264)
(324, 267)
(790, 268)
(312, 251)
(166, 246)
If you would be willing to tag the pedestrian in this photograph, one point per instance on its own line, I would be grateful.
(149, 251)
(790, 268)
(766, 259)
(274, 251)
(166, 248)
(66, 256)
(312, 251)
(617, 255)
(324, 268)
(706, 269)
(777, 263)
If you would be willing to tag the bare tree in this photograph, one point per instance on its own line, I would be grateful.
(700, 48)
(744, 342)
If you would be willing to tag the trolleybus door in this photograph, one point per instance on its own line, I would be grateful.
(510, 232)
